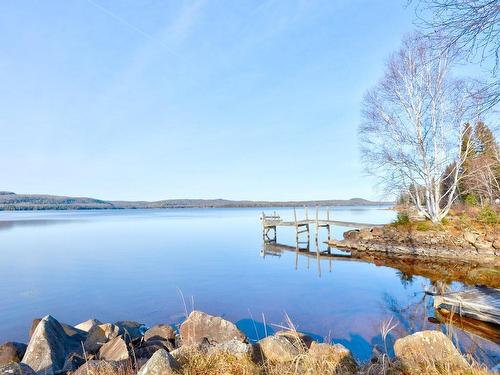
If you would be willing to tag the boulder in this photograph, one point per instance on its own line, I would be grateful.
(146, 352)
(167, 345)
(296, 338)
(34, 324)
(88, 324)
(16, 369)
(351, 234)
(70, 331)
(233, 347)
(182, 352)
(99, 335)
(49, 347)
(12, 352)
(161, 363)
(160, 332)
(96, 367)
(114, 350)
(417, 351)
(217, 330)
(278, 349)
(365, 234)
(73, 362)
(334, 356)
(130, 330)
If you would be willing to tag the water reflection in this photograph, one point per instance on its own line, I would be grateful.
(419, 314)
(11, 224)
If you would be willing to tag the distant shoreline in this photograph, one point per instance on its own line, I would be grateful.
(36, 202)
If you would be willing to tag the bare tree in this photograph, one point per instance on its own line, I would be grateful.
(470, 27)
(413, 127)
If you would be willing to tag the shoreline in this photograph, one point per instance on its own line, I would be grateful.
(202, 340)
(469, 246)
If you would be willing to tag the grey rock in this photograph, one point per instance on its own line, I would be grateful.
(69, 330)
(217, 330)
(130, 330)
(161, 363)
(160, 332)
(12, 352)
(337, 356)
(73, 362)
(167, 345)
(88, 324)
(114, 350)
(16, 369)
(297, 338)
(429, 347)
(96, 367)
(49, 347)
(99, 335)
(278, 349)
(234, 347)
(147, 351)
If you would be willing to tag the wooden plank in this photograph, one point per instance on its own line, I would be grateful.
(479, 303)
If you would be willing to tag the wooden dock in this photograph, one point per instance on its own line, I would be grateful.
(271, 222)
(480, 303)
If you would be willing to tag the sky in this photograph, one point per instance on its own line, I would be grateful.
(163, 99)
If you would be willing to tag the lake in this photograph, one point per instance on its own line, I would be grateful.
(153, 265)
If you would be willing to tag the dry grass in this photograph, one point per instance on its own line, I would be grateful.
(219, 363)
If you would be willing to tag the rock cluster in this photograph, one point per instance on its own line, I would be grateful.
(94, 347)
(467, 245)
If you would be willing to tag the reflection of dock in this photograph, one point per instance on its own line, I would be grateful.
(485, 330)
(302, 249)
(480, 303)
(276, 249)
(271, 222)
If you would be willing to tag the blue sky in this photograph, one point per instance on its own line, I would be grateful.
(127, 99)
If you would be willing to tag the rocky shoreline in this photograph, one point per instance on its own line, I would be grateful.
(128, 347)
(468, 245)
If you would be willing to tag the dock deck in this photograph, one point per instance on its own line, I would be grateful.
(271, 222)
(481, 303)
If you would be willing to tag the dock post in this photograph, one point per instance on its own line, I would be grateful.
(317, 222)
(329, 226)
(263, 226)
(307, 225)
(296, 226)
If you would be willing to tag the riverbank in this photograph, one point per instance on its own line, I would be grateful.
(479, 244)
(206, 344)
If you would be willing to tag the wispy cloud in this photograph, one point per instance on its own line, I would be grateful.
(129, 25)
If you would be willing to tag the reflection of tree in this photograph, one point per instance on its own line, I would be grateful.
(410, 317)
(405, 278)
(440, 286)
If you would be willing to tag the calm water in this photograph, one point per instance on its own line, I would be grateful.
(137, 264)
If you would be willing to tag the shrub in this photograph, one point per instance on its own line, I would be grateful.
(488, 215)
(402, 218)
(471, 200)
(424, 226)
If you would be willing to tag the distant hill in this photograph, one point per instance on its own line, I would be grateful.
(11, 201)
